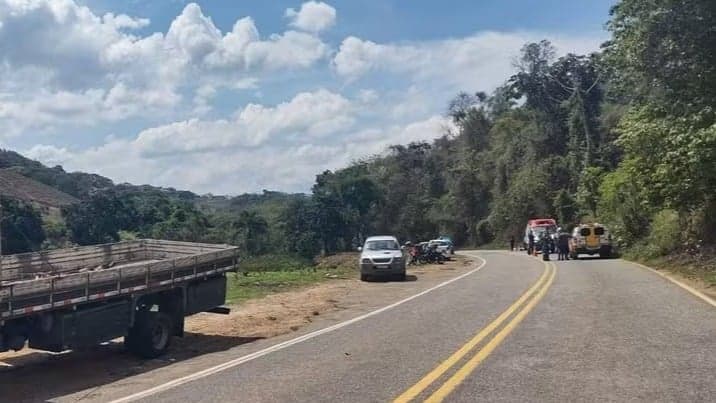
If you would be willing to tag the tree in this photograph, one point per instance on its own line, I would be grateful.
(588, 191)
(299, 222)
(185, 223)
(96, 220)
(251, 232)
(566, 207)
(664, 52)
(21, 227)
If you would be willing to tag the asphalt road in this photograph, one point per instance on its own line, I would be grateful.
(516, 330)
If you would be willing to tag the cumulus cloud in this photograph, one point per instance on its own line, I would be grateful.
(313, 16)
(477, 62)
(278, 146)
(60, 50)
(63, 66)
(308, 115)
(49, 154)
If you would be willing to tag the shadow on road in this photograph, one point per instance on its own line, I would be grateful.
(40, 376)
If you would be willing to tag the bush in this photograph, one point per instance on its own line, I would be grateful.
(623, 205)
(665, 234)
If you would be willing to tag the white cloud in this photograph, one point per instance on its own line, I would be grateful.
(48, 154)
(58, 50)
(278, 147)
(62, 66)
(307, 115)
(477, 62)
(123, 21)
(313, 16)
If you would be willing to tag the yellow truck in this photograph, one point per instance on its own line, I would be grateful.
(590, 239)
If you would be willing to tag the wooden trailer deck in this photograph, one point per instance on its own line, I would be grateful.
(39, 281)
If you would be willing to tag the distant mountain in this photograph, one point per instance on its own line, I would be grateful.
(77, 184)
(80, 185)
(19, 187)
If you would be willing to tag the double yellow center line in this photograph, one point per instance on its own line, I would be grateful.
(522, 306)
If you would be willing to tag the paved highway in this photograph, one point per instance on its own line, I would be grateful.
(518, 329)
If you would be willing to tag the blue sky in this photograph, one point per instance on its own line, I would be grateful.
(240, 96)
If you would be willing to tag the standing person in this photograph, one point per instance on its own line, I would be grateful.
(512, 243)
(530, 242)
(563, 244)
(545, 241)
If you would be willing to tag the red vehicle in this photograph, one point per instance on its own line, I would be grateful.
(538, 226)
(542, 222)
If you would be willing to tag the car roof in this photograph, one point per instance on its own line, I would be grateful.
(381, 238)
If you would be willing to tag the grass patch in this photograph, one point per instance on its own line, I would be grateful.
(264, 275)
(259, 284)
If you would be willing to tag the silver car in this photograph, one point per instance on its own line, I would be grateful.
(381, 256)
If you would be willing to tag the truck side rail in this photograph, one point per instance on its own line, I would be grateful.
(184, 262)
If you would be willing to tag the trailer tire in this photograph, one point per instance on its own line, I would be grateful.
(151, 335)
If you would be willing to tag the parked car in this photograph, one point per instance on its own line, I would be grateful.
(382, 256)
(590, 239)
(443, 246)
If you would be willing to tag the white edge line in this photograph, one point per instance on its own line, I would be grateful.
(688, 288)
(280, 346)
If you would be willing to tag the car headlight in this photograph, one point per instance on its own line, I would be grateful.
(398, 259)
(365, 260)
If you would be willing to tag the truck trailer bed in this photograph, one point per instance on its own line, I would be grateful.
(40, 281)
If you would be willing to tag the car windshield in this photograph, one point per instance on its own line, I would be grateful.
(382, 245)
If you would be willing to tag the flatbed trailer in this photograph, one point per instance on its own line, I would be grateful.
(140, 290)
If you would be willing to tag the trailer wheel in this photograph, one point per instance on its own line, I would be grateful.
(151, 335)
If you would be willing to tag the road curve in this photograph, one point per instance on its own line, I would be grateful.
(517, 330)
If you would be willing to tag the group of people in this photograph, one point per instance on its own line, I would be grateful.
(547, 244)
(422, 253)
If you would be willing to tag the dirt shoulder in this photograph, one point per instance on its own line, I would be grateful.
(107, 371)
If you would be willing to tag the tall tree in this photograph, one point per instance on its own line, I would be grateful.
(22, 229)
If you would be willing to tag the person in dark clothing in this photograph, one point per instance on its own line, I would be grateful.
(545, 245)
(530, 242)
(563, 246)
(512, 243)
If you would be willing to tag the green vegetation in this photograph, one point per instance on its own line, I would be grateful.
(265, 275)
(22, 227)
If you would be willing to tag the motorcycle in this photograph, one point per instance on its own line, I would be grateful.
(431, 255)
